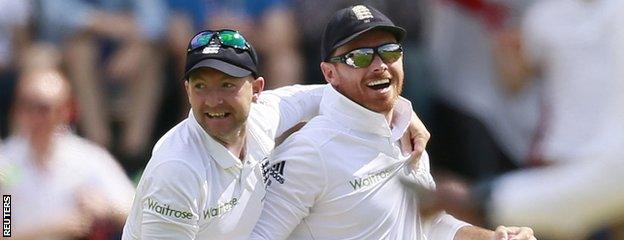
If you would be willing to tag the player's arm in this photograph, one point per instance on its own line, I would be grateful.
(281, 109)
(440, 225)
(289, 199)
(170, 204)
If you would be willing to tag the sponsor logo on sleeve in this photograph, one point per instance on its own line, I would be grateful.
(264, 164)
(166, 210)
(274, 172)
(277, 172)
(220, 209)
(212, 212)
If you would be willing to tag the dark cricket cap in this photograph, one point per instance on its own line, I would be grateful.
(351, 22)
(229, 60)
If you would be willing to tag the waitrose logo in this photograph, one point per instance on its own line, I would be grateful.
(165, 210)
(370, 179)
(220, 209)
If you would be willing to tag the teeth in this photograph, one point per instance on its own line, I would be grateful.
(216, 115)
(378, 82)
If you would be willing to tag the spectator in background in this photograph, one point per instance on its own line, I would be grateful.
(14, 20)
(484, 119)
(61, 184)
(577, 49)
(111, 49)
(270, 24)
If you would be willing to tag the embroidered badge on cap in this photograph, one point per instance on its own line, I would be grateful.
(211, 49)
(362, 13)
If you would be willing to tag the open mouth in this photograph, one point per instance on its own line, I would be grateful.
(379, 84)
(220, 115)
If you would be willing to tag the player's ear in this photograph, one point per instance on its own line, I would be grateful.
(329, 72)
(187, 85)
(257, 85)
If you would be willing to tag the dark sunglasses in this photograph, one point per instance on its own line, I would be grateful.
(226, 37)
(363, 57)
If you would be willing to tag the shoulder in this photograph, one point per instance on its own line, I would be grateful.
(175, 138)
(76, 145)
(92, 160)
(321, 130)
(265, 116)
(304, 149)
(171, 169)
(172, 174)
(180, 143)
(313, 136)
(12, 150)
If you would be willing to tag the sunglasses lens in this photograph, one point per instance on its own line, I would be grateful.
(232, 38)
(360, 58)
(200, 40)
(390, 53)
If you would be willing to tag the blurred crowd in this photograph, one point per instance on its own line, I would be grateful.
(508, 89)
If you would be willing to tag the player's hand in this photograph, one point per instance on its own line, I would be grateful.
(513, 233)
(415, 139)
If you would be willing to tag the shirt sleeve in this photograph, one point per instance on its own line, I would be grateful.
(281, 109)
(291, 195)
(171, 202)
(443, 226)
(422, 174)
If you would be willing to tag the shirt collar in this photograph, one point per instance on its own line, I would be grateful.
(354, 116)
(217, 151)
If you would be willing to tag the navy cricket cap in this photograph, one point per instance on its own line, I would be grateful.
(351, 22)
(230, 60)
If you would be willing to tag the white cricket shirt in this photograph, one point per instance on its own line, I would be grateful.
(194, 188)
(43, 197)
(337, 178)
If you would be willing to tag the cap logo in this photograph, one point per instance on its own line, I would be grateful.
(362, 13)
(211, 49)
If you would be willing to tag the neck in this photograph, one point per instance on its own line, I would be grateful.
(237, 148)
(41, 148)
(235, 144)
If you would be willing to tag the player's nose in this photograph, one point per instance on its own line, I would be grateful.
(377, 65)
(213, 99)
